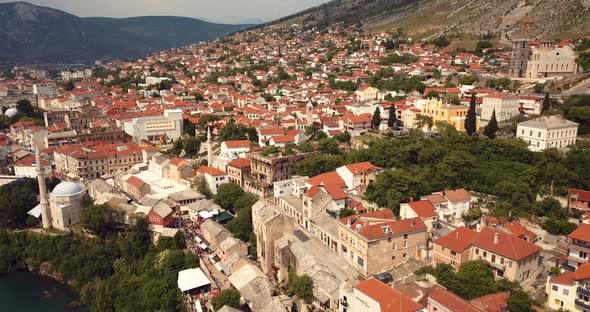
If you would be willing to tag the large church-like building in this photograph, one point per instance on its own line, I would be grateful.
(544, 59)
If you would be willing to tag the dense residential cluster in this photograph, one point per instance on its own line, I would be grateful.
(211, 141)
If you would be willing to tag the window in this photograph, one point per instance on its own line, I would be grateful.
(453, 262)
(453, 253)
(583, 255)
(405, 236)
(360, 261)
(477, 251)
(394, 247)
(566, 292)
(404, 255)
(344, 250)
(485, 254)
(405, 244)
(555, 288)
(558, 302)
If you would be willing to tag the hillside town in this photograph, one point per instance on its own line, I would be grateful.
(322, 170)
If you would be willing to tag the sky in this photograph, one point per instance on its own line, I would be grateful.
(224, 11)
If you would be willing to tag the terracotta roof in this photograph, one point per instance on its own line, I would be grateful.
(458, 240)
(566, 278)
(497, 302)
(362, 167)
(451, 301)
(374, 227)
(135, 182)
(582, 194)
(210, 171)
(423, 208)
(283, 138)
(457, 195)
(239, 163)
(518, 230)
(583, 272)
(331, 177)
(29, 161)
(271, 131)
(176, 161)
(237, 144)
(508, 245)
(581, 233)
(436, 198)
(390, 300)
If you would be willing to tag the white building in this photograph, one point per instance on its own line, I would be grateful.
(45, 90)
(152, 128)
(65, 205)
(27, 167)
(358, 175)
(213, 176)
(450, 205)
(548, 132)
(505, 105)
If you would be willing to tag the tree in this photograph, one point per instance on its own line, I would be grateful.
(441, 42)
(302, 286)
(177, 147)
(227, 195)
(425, 121)
(484, 45)
(343, 137)
(329, 146)
(188, 128)
(519, 301)
(98, 219)
(347, 212)
(69, 86)
(191, 146)
(471, 118)
(546, 103)
(492, 127)
(227, 297)
(24, 106)
(313, 166)
(376, 120)
(200, 183)
(392, 121)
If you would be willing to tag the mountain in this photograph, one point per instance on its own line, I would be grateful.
(30, 33)
(430, 18)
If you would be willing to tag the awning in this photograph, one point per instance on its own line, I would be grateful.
(35, 212)
(192, 279)
(203, 246)
(222, 217)
(198, 239)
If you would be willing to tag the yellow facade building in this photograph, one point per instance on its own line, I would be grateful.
(452, 114)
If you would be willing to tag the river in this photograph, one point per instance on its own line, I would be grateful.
(27, 292)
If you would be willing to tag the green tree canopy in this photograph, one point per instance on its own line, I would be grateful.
(227, 297)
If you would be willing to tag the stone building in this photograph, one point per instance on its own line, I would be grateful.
(375, 241)
(550, 60)
(65, 205)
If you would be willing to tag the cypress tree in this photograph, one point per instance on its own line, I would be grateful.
(546, 103)
(392, 116)
(376, 120)
(492, 127)
(471, 118)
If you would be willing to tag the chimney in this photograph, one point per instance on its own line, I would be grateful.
(496, 238)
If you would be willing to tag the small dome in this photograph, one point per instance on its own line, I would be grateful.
(67, 189)
(11, 112)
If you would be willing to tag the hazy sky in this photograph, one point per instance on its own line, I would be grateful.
(217, 10)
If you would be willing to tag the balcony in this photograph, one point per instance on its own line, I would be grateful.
(498, 265)
(582, 304)
(583, 290)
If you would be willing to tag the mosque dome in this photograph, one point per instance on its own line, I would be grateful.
(11, 112)
(67, 189)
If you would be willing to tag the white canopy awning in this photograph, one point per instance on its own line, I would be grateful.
(192, 279)
(35, 212)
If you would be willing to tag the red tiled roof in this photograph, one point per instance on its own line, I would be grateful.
(566, 278)
(29, 161)
(210, 171)
(457, 195)
(283, 139)
(436, 198)
(239, 163)
(458, 240)
(518, 230)
(581, 233)
(497, 302)
(135, 182)
(271, 131)
(372, 227)
(508, 246)
(451, 301)
(390, 300)
(176, 161)
(237, 144)
(423, 208)
(583, 272)
(363, 167)
(582, 194)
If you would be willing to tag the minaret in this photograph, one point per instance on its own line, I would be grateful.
(309, 114)
(45, 214)
(209, 148)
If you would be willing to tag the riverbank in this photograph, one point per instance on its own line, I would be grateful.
(27, 291)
